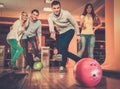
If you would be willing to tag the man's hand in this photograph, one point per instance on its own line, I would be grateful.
(39, 42)
(53, 35)
(78, 39)
(39, 45)
(19, 43)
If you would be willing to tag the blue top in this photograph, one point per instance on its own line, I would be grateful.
(33, 29)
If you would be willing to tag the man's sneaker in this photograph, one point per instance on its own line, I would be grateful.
(36, 59)
(15, 68)
(62, 69)
(27, 67)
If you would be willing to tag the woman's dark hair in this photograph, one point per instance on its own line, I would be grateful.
(35, 10)
(55, 3)
(85, 10)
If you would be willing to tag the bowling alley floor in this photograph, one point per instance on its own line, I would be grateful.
(50, 78)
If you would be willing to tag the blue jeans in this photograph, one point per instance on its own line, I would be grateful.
(24, 44)
(63, 43)
(90, 40)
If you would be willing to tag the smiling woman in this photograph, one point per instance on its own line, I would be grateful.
(14, 36)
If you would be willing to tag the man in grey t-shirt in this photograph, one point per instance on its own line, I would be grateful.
(33, 29)
(66, 27)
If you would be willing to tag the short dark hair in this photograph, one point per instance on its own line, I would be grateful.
(35, 10)
(55, 3)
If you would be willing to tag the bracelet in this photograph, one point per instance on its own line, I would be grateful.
(78, 34)
(52, 32)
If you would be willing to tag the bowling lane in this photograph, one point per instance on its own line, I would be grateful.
(50, 78)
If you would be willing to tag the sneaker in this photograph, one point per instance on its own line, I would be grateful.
(11, 66)
(36, 59)
(27, 67)
(15, 68)
(62, 69)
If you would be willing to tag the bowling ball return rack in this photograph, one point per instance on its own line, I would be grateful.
(11, 80)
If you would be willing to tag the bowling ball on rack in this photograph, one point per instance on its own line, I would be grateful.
(88, 72)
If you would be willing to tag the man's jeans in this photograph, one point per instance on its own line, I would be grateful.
(24, 44)
(63, 43)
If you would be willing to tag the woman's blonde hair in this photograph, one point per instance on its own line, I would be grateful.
(21, 13)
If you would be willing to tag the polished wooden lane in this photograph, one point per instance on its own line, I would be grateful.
(50, 78)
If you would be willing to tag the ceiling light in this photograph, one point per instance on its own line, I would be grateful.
(48, 9)
(48, 1)
(2, 5)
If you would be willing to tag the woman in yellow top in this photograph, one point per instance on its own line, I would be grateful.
(13, 37)
(89, 23)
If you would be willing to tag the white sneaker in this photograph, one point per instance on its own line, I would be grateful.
(27, 67)
(36, 59)
(61, 69)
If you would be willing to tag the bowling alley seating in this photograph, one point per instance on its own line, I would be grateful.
(55, 61)
(2, 55)
(99, 51)
(11, 80)
(45, 55)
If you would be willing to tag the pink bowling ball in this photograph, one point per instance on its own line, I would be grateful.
(88, 72)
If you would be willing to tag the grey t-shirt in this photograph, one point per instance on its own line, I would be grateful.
(33, 29)
(63, 23)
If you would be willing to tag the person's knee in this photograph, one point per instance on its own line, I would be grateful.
(82, 49)
(20, 49)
